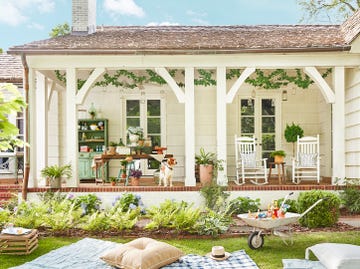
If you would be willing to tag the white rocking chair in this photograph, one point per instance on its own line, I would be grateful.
(247, 166)
(306, 164)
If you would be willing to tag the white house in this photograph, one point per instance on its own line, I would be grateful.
(192, 115)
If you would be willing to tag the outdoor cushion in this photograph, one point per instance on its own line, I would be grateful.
(307, 159)
(142, 253)
(249, 159)
(301, 264)
(336, 256)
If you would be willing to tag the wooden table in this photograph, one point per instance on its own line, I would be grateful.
(103, 159)
(281, 171)
(19, 244)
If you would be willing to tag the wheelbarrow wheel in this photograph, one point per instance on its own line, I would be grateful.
(256, 240)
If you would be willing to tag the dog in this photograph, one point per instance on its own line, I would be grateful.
(167, 171)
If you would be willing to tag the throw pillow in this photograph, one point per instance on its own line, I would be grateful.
(336, 256)
(142, 253)
(307, 159)
(249, 159)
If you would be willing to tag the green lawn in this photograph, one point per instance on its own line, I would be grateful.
(268, 257)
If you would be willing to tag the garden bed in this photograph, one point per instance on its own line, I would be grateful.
(238, 228)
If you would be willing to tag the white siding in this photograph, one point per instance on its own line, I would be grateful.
(352, 122)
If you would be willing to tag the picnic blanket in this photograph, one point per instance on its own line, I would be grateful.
(86, 252)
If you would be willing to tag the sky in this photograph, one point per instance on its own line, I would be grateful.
(24, 21)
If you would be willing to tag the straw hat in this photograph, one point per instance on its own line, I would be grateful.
(218, 253)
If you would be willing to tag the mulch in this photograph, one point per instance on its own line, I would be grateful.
(238, 228)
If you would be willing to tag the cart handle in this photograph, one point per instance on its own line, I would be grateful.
(286, 197)
(311, 207)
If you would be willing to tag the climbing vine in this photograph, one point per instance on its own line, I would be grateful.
(269, 80)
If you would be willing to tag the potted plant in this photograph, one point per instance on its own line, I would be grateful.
(135, 133)
(278, 156)
(135, 174)
(113, 181)
(206, 161)
(123, 167)
(291, 133)
(112, 148)
(55, 173)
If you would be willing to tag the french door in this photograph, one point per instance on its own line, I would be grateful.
(148, 114)
(260, 117)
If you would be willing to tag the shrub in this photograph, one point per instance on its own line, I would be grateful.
(350, 196)
(124, 220)
(4, 217)
(29, 215)
(213, 223)
(214, 195)
(128, 200)
(293, 206)
(89, 203)
(172, 214)
(244, 204)
(98, 221)
(324, 214)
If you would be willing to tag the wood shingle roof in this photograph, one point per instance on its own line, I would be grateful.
(194, 39)
(11, 69)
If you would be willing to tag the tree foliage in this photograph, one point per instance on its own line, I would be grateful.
(328, 10)
(1, 50)
(60, 30)
(9, 105)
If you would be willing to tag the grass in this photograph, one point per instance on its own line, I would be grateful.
(268, 257)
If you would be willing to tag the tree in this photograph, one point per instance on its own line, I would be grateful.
(15, 103)
(328, 10)
(60, 30)
(1, 50)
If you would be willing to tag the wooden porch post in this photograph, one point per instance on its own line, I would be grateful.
(221, 122)
(338, 125)
(189, 127)
(70, 125)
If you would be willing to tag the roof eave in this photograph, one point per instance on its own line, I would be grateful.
(172, 51)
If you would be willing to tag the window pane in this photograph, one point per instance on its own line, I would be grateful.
(154, 125)
(153, 107)
(268, 125)
(155, 140)
(132, 108)
(268, 142)
(247, 107)
(132, 122)
(247, 125)
(268, 107)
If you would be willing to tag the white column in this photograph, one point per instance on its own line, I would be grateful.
(338, 125)
(189, 127)
(221, 122)
(34, 173)
(41, 124)
(71, 151)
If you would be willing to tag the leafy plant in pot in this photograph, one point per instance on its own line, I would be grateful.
(278, 156)
(206, 162)
(291, 133)
(55, 173)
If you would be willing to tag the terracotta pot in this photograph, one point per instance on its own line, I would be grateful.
(113, 183)
(206, 174)
(135, 181)
(111, 150)
(123, 175)
(278, 159)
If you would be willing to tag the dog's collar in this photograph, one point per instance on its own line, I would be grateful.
(168, 166)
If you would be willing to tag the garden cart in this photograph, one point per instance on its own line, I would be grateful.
(261, 222)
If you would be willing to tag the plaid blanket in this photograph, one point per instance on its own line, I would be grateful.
(86, 252)
(238, 259)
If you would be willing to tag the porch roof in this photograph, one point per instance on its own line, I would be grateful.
(193, 40)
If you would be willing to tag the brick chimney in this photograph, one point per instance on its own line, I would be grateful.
(83, 17)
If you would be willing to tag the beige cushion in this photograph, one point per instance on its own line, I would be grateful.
(142, 253)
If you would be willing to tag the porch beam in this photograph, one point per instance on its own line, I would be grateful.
(189, 127)
(221, 118)
(234, 89)
(82, 93)
(71, 118)
(325, 89)
(51, 75)
(240, 60)
(338, 123)
(51, 88)
(41, 124)
(161, 71)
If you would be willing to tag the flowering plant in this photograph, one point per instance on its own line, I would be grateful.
(136, 131)
(136, 173)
